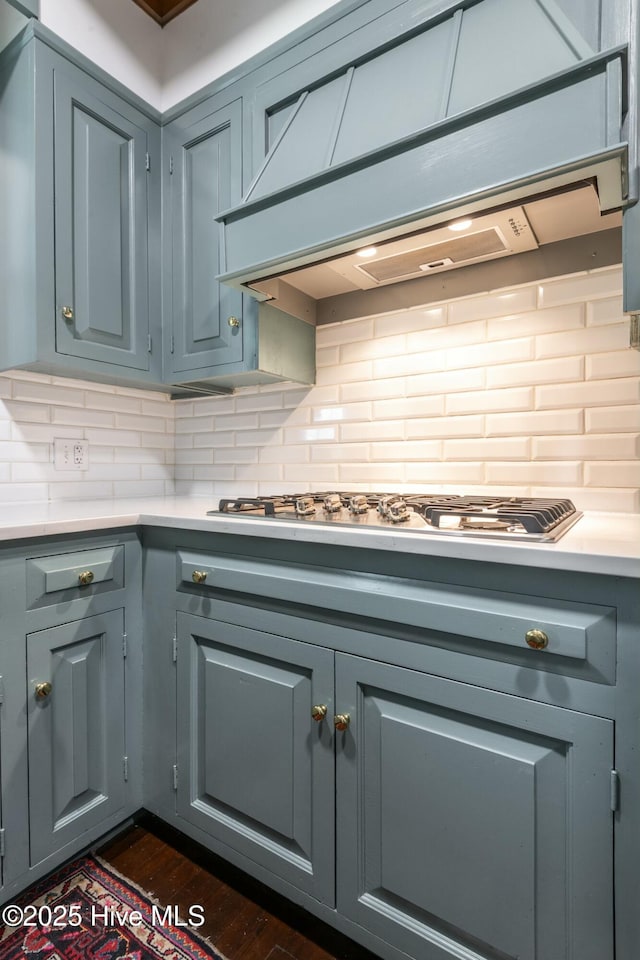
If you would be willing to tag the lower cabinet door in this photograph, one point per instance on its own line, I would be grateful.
(472, 823)
(76, 729)
(255, 771)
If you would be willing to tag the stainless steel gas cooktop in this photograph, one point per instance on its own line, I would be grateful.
(509, 518)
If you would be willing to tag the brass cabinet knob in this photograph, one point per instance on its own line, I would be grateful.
(43, 690)
(537, 639)
(85, 578)
(319, 712)
(199, 576)
(341, 721)
(233, 322)
(67, 313)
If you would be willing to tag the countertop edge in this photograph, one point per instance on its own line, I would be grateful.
(575, 556)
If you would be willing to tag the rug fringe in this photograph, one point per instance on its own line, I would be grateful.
(105, 865)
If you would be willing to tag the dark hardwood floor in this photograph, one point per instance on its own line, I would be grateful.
(243, 918)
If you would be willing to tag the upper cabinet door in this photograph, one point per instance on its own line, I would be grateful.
(101, 268)
(207, 179)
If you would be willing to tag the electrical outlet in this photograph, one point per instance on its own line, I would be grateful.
(70, 454)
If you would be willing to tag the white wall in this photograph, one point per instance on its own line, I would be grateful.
(115, 34)
(164, 65)
(213, 36)
(531, 391)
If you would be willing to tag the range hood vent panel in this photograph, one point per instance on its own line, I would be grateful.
(431, 125)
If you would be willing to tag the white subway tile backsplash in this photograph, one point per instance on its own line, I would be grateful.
(590, 340)
(465, 473)
(372, 390)
(618, 363)
(373, 430)
(492, 305)
(551, 320)
(505, 448)
(373, 349)
(538, 371)
(613, 419)
(534, 424)
(605, 311)
(424, 318)
(614, 473)
(404, 450)
(407, 408)
(472, 426)
(348, 332)
(484, 394)
(595, 393)
(594, 447)
(520, 398)
(535, 473)
(599, 283)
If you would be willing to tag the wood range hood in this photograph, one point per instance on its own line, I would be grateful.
(353, 157)
(162, 11)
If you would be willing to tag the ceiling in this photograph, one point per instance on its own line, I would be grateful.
(162, 11)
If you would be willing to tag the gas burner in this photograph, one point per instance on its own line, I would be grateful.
(508, 518)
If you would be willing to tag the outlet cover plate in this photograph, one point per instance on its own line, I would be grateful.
(70, 454)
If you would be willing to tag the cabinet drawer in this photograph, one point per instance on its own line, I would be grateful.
(513, 625)
(74, 576)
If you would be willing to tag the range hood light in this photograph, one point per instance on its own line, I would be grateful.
(460, 225)
(366, 252)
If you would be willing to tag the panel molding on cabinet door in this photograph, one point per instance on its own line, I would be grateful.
(207, 179)
(101, 262)
(472, 822)
(255, 771)
(76, 730)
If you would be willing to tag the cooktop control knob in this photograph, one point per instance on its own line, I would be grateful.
(394, 509)
(358, 504)
(305, 507)
(332, 503)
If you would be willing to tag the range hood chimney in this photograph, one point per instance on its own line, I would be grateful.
(470, 106)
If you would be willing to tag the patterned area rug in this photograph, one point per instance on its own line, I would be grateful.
(87, 911)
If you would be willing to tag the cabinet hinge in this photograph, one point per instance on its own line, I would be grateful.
(171, 344)
(174, 650)
(175, 776)
(147, 161)
(149, 344)
(1, 690)
(2, 843)
(170, 164)
(124, 645)
(125, 768)
(615, 790)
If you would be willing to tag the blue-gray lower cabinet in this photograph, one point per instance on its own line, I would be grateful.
(76, 729)
(472, 823)
(255, 771)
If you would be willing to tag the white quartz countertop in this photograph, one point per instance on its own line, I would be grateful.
(605, 543)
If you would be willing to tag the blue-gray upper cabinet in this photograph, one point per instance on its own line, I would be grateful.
(218, 339)
(78, 195)
(472, 823)
(205, 170)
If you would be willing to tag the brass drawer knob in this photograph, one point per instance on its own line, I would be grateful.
(43, 690)
(85, 578)
(319, 712)
(341, 721)
(537, 639)
(233, 322)
(199, 576)
(67, 313)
